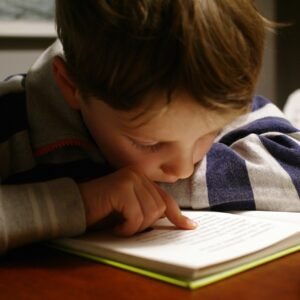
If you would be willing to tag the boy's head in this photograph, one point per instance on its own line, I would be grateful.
(169, 75)
(121, 50)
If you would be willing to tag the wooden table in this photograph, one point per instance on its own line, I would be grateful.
(37, 272)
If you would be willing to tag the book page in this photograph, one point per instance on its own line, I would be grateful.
(219, 237)
(214, 233)
(277, 216)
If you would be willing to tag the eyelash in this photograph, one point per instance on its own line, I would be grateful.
(150, 148)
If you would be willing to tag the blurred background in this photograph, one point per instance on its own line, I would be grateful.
(26, 29)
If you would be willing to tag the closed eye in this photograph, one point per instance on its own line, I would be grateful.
(147, 147)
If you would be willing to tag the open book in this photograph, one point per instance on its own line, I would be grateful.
(223, 244)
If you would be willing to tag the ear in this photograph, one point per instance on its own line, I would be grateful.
(64, 82)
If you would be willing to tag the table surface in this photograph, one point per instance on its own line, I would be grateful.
(38, 272)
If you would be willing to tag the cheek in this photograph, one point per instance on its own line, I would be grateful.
(125, 157)
(121, 154)
(117, 153)
(141, 160)
(146, 163)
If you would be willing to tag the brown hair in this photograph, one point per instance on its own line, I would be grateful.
(120, 50)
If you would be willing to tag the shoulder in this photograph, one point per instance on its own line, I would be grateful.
(264, 118)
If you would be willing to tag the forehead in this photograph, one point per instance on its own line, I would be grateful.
(164, 120)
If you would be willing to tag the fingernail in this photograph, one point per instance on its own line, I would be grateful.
(191, 223)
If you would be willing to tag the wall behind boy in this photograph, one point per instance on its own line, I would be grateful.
(267, 80)
(18, 54)
(288, 49)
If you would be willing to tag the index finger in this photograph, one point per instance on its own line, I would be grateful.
(174, 214)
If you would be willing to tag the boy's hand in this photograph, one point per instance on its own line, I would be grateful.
(139, 201)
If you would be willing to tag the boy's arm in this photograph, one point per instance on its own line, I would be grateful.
(39, 211)
(35, 211)
(254, 165)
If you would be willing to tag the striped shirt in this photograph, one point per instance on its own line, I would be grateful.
(45, 149)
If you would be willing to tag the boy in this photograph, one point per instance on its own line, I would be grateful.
(148, 102)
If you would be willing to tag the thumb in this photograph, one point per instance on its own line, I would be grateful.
(173, 212)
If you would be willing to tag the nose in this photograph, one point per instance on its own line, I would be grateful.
(179, 167)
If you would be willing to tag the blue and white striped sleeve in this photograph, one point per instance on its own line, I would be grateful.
(254, 164)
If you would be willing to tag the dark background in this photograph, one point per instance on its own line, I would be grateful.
(287, 49)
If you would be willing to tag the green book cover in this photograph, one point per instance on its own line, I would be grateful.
(185, 283)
